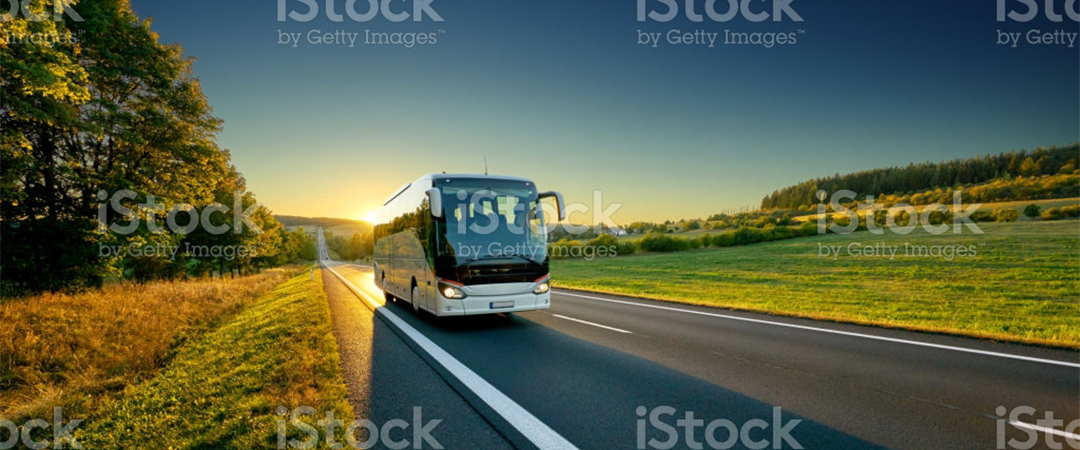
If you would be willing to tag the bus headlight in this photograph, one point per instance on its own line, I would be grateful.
(450, 291)
(541, 288)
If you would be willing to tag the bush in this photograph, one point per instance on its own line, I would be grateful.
(608, 245)
(623, 248)
(693, 225)
(747, 235)
(939, 217)
(762, 221)
(1006, 215)
(902, 219)
(565, 248)
(725, 239)
(1032, 211)
(1061, 213)
(808, 228)
(779, 233)
(654, 242)
(981, 216)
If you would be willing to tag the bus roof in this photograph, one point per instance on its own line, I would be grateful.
(481, 176)
(436, 177)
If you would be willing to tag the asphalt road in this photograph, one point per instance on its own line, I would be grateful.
(386, 380)
(587, 366)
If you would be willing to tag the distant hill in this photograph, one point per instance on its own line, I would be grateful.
(341, 227)
(930, 176)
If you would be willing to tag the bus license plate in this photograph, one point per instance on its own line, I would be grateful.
(506, 304)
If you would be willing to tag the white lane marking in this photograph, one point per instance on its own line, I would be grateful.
(844, 333)
(528, 425)
(586, 322)
(1055, 432)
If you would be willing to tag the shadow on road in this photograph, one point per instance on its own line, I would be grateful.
(594, 396)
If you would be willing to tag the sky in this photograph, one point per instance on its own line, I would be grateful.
(563, 92)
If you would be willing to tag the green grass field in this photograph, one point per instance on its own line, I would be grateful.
(1023, 284)
(223, 390)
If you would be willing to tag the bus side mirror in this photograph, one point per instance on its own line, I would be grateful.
(435, 200)
(559, 204)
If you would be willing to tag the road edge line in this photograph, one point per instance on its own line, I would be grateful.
(529, 431)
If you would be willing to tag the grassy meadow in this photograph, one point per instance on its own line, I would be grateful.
(1022, 284)
(75, 350)
(224, 390)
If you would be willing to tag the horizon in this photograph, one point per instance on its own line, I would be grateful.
(370, 217)
(571, 101)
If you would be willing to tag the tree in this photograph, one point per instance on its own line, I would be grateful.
(42, 87)
(1030, 167)
(927, 177)
(1032, 211)
(115, 110)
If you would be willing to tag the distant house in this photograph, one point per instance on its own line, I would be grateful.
(613, 230)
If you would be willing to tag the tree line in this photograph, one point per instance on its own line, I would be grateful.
(359, 246)
(103, 108)
(929, 176)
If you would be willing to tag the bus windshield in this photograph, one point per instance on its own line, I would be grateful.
(492, 220)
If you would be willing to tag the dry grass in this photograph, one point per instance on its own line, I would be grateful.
(223, 390)
(74, 350)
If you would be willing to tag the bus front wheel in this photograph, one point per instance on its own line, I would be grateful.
(415, 298)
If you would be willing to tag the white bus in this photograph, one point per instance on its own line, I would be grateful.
(464, 244)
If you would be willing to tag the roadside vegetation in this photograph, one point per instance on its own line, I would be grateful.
(606, 245)
(1042, 184)
(224, 389)
(346, 239)
(78, 350)
(109, 111)
(1021, 284)
(356, 247)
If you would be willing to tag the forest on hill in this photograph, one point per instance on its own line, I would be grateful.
(1058, 162)
(325, 222)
